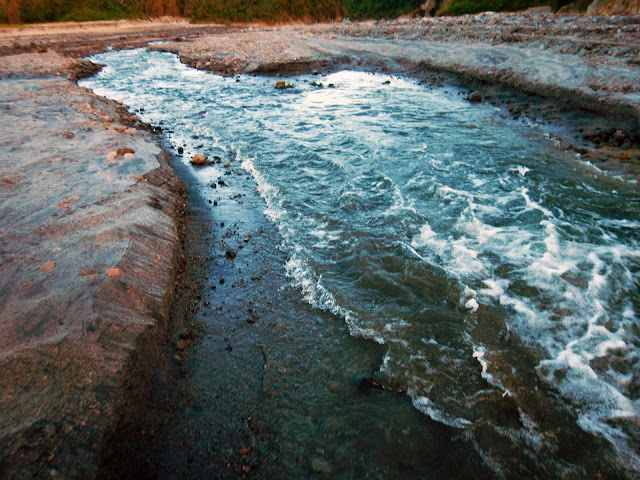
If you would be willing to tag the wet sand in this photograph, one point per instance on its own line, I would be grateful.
(101, 356)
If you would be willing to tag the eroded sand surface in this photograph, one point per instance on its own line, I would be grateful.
(87, 245)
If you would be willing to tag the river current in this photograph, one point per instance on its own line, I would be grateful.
(500, 273)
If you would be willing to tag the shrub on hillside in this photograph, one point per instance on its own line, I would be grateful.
(3, 12)
(376, 9)
(462, 7)
(265, 10)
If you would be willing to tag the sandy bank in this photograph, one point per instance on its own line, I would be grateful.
(88, 240)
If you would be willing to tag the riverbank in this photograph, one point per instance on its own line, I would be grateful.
(89, 251)
(66, 298)
(579, 73)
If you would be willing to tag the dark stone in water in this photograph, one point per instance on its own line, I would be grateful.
(180, 150)
(475, 97)
(368, 385)
(230, 254)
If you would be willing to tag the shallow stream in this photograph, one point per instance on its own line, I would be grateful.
(498, 274)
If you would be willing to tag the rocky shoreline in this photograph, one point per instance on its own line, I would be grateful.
(91, 235)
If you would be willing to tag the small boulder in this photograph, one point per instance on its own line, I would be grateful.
(475, 97)
(122, 151)
(368, 385)
(281, 85)
(198, 159)
(618, 136)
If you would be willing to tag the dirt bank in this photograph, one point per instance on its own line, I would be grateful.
(88, 209)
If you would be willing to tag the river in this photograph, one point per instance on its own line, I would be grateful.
(497, 272)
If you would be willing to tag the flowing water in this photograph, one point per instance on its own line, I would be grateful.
(499, 272)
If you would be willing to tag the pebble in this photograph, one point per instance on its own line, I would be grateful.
(198, 159)
(114, 272)
(320, 465)
(48, 267)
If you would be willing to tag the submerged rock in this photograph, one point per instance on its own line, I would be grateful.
(475, 97)
(320, 465)
(369, 384)
(281, 85)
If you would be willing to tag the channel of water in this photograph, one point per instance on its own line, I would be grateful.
(484, 278)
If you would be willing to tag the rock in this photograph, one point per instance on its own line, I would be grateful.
(129, 156)
(180, 150)
(86, 271)
(230, 254)
(281, 85)
(589, 134)
(49, 431)
(114, 272)
(68, 135)
(618, 136)
(48, 267)
(475, 97)
(368, 384)
(199, 159)
(320, 465)
(131, 131)
(227, 165)
(122, 151)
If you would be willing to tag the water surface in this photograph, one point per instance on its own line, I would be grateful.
(499, 272)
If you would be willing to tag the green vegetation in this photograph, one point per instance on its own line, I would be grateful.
(461, 7)
(266, 10)
(240, 11)
(364, 9)
(33, 11)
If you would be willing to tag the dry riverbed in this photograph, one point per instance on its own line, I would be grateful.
(90, 210)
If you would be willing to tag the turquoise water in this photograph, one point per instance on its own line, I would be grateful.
(494, 267)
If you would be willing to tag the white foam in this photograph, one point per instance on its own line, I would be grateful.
(479, 353)
(426, 406)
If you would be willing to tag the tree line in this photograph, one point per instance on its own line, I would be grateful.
(34, 11)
